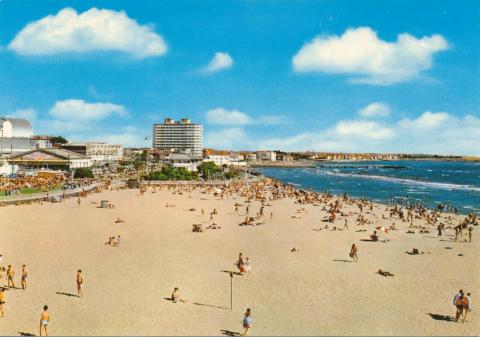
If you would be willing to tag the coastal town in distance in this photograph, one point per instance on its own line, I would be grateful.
(238, 168)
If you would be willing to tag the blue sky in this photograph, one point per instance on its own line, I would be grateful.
(360, 76)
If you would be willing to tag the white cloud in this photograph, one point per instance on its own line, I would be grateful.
(220, 61)
(430, 133)
(79, 110)
(221, 116)
(360, 53)
(374, 110)
(29, 113)
(363, 129)
(93, 30)
(428, 120)
(128, 136)
(227, 117)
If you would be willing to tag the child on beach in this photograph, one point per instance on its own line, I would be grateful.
(247, 322)
(44, 320)
(248, 266)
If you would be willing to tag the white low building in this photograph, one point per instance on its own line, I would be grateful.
(266, 156)
(221, 160)
(100, 153)
(48, 158)
(186, 161)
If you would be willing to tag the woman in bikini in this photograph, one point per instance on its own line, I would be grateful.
(24, 277)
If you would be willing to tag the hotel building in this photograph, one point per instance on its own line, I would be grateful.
(178, 137)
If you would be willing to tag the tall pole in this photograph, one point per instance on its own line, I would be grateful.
(231, 290)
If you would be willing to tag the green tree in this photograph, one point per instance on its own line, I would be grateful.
(171, 173)
(58, 140)
(207, 169)
(83, 172)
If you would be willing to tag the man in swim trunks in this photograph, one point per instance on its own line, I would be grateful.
(459, 299)
(79, 283)
(24, 277)
(10, 275)
(44, 320)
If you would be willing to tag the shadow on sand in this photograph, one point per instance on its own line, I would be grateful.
(25, 333)
(438, 317)
(234, 272)
(210, 305)
(342, 260)
(66, 294)
(230, 333)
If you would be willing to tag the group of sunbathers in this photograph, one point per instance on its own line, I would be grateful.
(112, 241)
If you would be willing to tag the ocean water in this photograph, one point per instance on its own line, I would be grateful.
(428, 182)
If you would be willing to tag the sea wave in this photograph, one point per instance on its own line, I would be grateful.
(431, 184)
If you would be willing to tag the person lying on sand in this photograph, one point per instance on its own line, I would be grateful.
(197, 228)
(214, 226)
(119, 220)
(176, 296)
(384, 273)
(294, 249)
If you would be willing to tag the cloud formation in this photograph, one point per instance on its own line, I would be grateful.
(79, 110)
(220, 61)
(90, 31)
(366, 58)
(429, 133)
(375, 110)
(221, 116)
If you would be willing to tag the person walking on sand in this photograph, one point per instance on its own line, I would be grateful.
(467, 306)
(79, 283)
(10, 275)
(79, 201)
(2, 301)
(247, 322)
(459, 305)
(353, 253)
(24, 277)
(44, 320)
(346, 224)
(470, 229)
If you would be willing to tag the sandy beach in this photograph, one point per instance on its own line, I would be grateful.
(314, 291)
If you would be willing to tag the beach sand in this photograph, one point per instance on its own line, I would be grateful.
(315, 291)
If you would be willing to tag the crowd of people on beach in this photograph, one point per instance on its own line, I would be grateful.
(416, 217)
(12, 186)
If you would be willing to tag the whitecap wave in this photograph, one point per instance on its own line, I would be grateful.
(430, 184)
